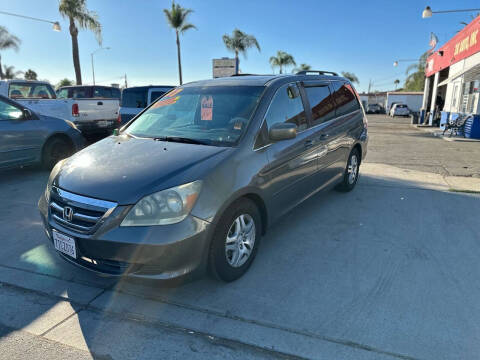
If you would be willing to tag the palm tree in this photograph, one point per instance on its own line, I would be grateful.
(177, 19)
(415, 80)
(30, 75)
(350, 76)
(79, 17)
(396, 82)
(302, 67)
(239, 42)
(7, 41)
(282, 59)
(10, 73)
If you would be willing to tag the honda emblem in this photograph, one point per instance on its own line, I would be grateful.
(67, 213)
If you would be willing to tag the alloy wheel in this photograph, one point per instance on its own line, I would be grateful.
(352, 169)
(240, 240)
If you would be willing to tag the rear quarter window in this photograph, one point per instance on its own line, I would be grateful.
(345, 99)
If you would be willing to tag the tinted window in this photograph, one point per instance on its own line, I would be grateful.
(80, 93)
(31, 90)
(116, 93)
(154, 95)
(401, 106)
(287, 106)
(9, 112)
(321, 102)
(101, 92)
(345, 98)
(134, 98)
(216, 115)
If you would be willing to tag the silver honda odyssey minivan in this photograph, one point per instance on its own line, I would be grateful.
(193, 181)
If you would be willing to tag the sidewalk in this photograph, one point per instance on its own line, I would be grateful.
(435, 131)
(415, 178)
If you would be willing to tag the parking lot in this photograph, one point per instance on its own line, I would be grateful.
(389, 270)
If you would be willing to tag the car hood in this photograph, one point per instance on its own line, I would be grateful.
(125, 169)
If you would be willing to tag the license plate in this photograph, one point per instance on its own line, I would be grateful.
(64, 244)
(104, 123)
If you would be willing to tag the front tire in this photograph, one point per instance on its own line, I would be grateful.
(350, 176)
(55, 149)
(235, 241)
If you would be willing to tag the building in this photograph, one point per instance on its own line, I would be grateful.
(379, 98)
(453, 76)
(413, 99)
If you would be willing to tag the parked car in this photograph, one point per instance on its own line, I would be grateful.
(399, 110)
(28, 138)
(374, 109)
(135, 99)
(96, 109)
(195, 180)
(38, 96)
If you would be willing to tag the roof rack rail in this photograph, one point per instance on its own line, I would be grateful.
(319, 72)
(245, 75)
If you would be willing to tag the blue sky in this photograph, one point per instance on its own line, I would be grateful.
(363, 37)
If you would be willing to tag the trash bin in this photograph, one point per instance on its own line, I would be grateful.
(414, 118)
(472, 127)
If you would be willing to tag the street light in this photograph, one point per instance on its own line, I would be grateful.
(56, 24)
(427, 12)
(395, 63)
(91, 54)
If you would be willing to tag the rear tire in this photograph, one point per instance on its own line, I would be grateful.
(350, 176)
(55, 149)
(235, 241)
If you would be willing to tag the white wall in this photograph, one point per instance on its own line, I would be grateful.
(414, 102)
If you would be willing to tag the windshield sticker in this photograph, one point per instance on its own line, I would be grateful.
(207, 108)
(173, 93)
(238, 125)
(165, 102)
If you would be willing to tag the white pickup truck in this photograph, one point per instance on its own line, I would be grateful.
(93, 113)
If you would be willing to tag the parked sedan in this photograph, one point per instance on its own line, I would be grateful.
(193, 182)
(29, 138)
(399, 110)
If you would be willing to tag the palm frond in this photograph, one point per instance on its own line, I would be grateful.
(8, 41)
(187, 26)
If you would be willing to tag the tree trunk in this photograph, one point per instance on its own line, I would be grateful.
(2, 75)
(236, 62)
(76, 58)
(179, 59)
(281, 72)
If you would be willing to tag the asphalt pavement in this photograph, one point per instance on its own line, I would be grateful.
(387, 271)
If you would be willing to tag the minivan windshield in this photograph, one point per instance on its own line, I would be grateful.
(214, 115)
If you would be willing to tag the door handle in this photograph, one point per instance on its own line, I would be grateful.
(99, 103)
(308, 143)
(324, 136)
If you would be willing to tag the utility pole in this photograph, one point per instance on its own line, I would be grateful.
(126, 85)
(369, 85)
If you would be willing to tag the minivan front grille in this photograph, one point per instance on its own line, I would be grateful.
(78, 213)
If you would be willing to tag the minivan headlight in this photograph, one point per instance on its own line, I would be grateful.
(164, 207)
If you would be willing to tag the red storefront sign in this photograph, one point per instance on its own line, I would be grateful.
(461, 46)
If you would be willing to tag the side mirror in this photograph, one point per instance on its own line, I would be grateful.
(26, 114)
(282, 131)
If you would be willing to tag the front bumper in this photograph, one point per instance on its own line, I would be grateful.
(152, 252)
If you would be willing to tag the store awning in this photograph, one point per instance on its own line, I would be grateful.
(470, 74)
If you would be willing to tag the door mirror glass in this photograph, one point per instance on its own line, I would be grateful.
(282, 131)
(26, 114)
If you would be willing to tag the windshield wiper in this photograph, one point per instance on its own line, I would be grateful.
(181, 140)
